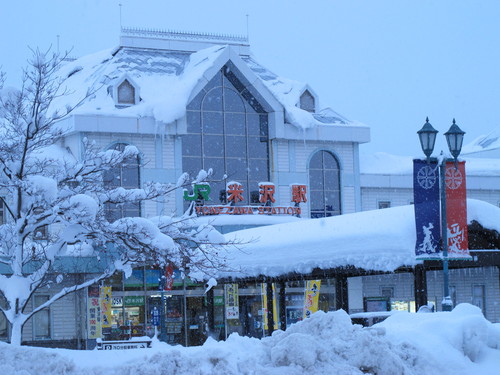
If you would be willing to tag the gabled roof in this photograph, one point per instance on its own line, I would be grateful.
(167, 78)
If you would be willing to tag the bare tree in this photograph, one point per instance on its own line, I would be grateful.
(43, 185)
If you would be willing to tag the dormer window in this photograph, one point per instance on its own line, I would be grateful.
(126, 93)
(307, 102)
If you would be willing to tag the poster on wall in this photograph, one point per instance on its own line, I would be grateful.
(105, 304)
(93, 313)
(231, 298)
(311, 298)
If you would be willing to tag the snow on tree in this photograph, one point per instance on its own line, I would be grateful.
(43, 185)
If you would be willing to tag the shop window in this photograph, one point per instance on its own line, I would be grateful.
(384, 204)
(324, 182)
(41, 320)
(227, 131)
(307, 102)
(126, 175)
(478, 296)
(126, 93)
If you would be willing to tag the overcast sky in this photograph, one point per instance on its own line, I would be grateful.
(387, 64)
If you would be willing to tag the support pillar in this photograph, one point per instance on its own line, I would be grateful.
(211, 310)
(282, 302)
(420, 285)
(341, 294)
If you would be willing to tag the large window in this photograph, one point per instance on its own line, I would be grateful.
(125, 175)
(227, 131)
(324, 182)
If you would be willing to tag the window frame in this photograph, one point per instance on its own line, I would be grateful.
(325, 193)
(36, 316)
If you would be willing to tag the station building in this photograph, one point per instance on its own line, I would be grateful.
(192, 102)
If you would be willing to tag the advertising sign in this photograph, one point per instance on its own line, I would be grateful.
(311, 299)
(427, 208)
(264, 305)
(93, 313)
(456, 210)
(105, 303)
(232, 303)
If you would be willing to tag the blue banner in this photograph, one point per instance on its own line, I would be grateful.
(426, 201)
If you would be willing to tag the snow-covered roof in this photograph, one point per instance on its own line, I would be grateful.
(166, 78)
(382, 163)
(488, 142)
(379, 240)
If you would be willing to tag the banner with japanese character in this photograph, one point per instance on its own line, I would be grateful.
(456, 210)
(106, 299)
(311, 298)
(427, 208)
(93, 313)
(264, 306)
(232, 303)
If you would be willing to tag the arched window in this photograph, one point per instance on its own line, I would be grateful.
(126, 93)
(324, 185)
(227, 131)
(307, 102)
(125, 175)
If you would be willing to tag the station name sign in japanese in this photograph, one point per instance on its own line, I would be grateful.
(234, 195)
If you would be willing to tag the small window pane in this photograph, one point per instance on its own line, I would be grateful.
(213, 100)
(216, 81)
(234, 123)
(307, 101)
(193, 122)
(191, 145)
(213, 146)
(257, 148)
(258, 170)
(191, 165)
(212, 123)
(316, 161)
(126, 93)
(331, 180)
(236, 146)
(236, 170)
(217, 166)
(233, 102)
(329, 161)
(253, 124)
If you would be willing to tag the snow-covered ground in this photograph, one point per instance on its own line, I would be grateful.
(457, 342)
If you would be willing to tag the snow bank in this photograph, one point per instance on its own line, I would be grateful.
(459, 343)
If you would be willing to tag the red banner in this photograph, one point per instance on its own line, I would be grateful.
(456, 210)
(169, 275)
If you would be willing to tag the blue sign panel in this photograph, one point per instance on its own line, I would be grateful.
(426, 202)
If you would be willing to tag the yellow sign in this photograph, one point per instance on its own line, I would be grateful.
(106, 302)
(264, 305)
(311, 298)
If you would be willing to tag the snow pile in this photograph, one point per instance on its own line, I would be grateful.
(460, 342)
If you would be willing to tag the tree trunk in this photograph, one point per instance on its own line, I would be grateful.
(16, 332)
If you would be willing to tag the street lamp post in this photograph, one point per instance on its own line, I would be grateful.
(454, 138)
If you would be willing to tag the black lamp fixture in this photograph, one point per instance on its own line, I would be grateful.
(454, 137)
(427, 136)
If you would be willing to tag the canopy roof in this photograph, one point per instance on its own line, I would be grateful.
(379, 240)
